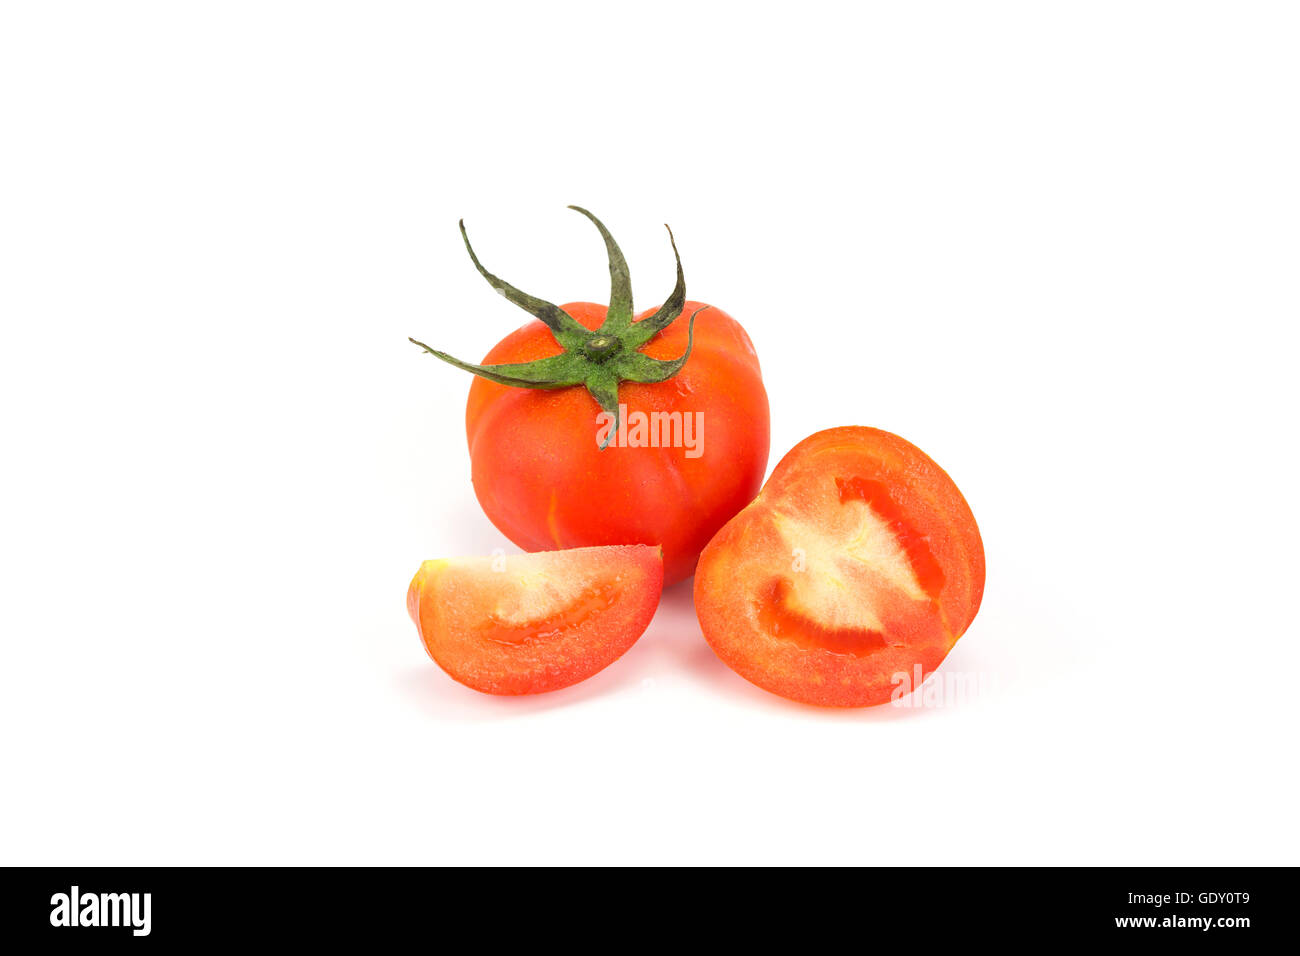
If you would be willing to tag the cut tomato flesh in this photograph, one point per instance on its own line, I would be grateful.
(555, 622)
(531, 623)
(782, 621)
(857, 561)
(876, 495)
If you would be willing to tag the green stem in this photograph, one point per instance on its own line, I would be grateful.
(598, 360)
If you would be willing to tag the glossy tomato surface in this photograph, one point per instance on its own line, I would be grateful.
(530, 623)
(858, 562)
(544, 482)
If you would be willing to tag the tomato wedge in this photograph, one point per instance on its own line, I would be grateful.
(858, 562)
(529, 623)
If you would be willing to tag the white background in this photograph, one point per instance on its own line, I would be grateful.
(1055, 245)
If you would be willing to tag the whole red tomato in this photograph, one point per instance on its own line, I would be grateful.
(679, 409)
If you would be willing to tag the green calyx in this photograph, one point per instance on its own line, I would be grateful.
(602, 359)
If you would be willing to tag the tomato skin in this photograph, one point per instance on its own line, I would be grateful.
(893, 571)
(538, 622)
(543, 481)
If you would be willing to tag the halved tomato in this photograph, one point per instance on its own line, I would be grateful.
(528, 623)
(857, 562)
